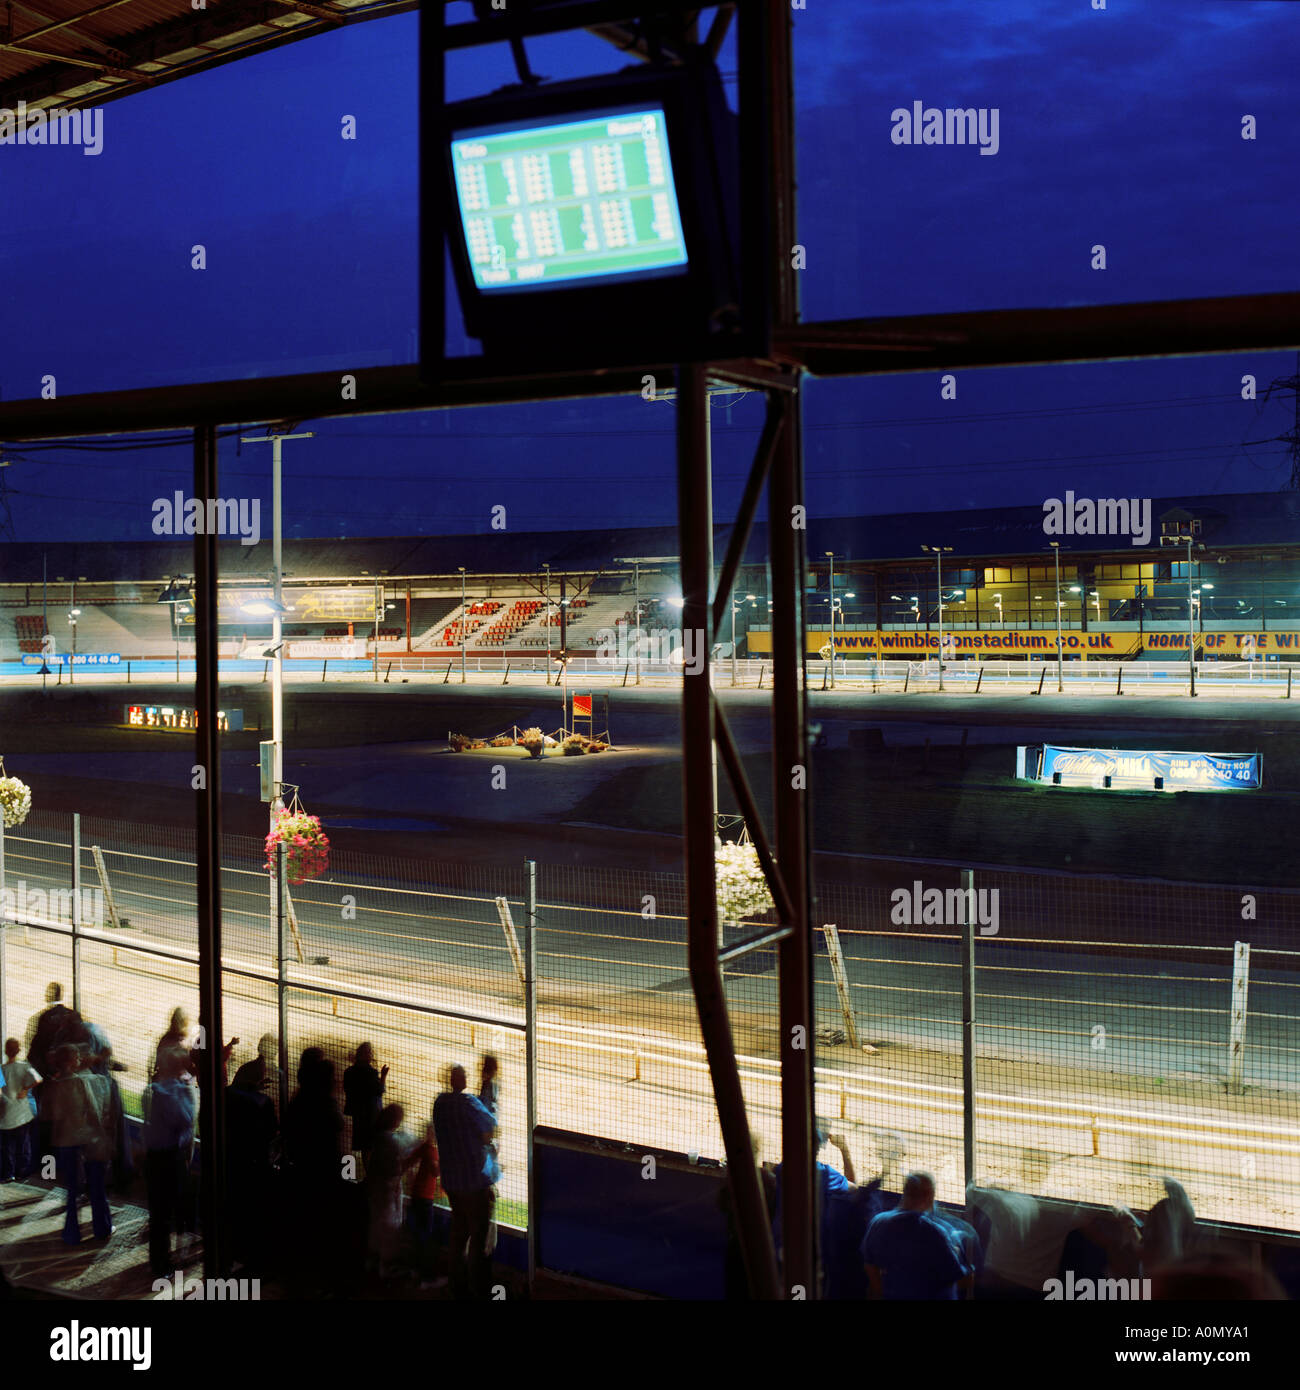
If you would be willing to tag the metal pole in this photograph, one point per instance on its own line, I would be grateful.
(832, 559)
(207, 748)
(968, 1026)
(938, 562)
(636, 570)
(695, 526)
(1060, 650)
(462, 624)
(379, 608)
(530, 1058)
(1191, 623)
(800, 1184)
(76, 911)
(733, 642)
(547, 624)
(281, 976)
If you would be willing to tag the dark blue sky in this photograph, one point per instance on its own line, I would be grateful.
(1120, 127)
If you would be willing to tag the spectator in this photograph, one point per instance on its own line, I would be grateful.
(1022, 1239)
(909, 1253)
(250, 1133)
(425, 1191)
(268, 1053)
(17, 1115)
(100, 1061)
(363, 1093)
(42, 1026)
(1170, 1230)
(389, 1161)
(81, 1132)
(463, 1127)
(836, 1192)
(169, 1141)
(173, 1044)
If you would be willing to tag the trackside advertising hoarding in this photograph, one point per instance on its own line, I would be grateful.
(1138, 769)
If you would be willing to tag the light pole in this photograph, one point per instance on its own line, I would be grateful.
(379, 608)
(73, 615)
(830, 555)
(1060, 648)
(938, 551)
(278, 611)
(463, 616)
(547, 624)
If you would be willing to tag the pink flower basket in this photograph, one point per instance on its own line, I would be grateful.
(307, 847)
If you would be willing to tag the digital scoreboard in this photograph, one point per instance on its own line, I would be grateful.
(550, 203)
(179, 718)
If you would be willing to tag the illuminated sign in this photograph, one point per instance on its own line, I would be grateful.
(1121, 769)
(179, 718)
(337, 603)
(75, 659)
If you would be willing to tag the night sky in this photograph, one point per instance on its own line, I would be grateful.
(1120, 127)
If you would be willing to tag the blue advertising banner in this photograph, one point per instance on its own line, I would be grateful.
(1137, 769)
(75, 659)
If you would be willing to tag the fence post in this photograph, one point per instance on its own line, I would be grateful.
(1041, 679)
(76, 911)
(841, 984)
(512, 941)
(979, 680)
(1119, 680)
(1289, 671)
(968, 1026)
(530, 1057)
(281, 978)
(1237, 1027)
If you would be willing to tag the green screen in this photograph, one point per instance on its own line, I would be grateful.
(544, 204)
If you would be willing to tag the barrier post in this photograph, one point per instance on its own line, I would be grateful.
(76, 911)
(1289, 671)
(1042, 677)
(530, 1057)
(1237, 1025)
(106, 886)
(979, 680)
(841, 986)
(968, 1026)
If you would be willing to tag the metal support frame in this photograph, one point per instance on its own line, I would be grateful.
(968, 1026)
(207, 811)
(530, 1057)
(76, 911)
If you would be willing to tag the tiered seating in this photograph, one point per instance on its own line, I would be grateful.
(31, 632)
(521, 613)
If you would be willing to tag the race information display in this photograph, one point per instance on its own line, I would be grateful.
(553, 203)
(178, 718)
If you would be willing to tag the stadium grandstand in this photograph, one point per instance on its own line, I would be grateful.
(530, 593)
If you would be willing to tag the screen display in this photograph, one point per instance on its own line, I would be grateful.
(569, 200)
(177, 718)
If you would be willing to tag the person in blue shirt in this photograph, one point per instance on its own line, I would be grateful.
(464, 1127)
(915, 1253)
(839, 1205)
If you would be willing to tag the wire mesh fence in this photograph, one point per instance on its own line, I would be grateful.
(1122, 1031)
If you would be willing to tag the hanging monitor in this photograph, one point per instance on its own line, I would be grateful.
(594, 221)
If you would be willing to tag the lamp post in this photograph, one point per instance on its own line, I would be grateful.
(463, 616)
(73, 615)
(830, 555)
(277, 610)
(547, 624)
(176, 594)
(938, 552)
(1060, 649)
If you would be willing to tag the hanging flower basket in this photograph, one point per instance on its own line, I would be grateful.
(742, 888)
(15, 800)
(306, 844)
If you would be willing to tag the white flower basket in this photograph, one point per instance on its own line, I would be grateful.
(742, 889)
(15, 801)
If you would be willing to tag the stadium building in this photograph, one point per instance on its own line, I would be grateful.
(1225, 567)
